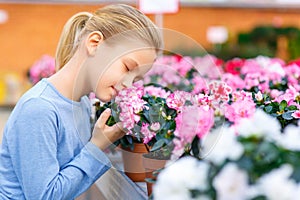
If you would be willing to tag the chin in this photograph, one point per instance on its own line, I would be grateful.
(105, 100)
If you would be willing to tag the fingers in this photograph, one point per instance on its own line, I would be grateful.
(120, 126)
(103, 118)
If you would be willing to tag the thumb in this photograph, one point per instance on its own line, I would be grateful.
(103, 118)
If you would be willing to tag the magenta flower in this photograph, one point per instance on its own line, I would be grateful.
(296, 114)
(42, 68)
(234, 66)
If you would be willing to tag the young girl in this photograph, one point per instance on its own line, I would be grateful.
(48, 150)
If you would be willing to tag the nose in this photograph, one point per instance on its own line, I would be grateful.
(127, 82)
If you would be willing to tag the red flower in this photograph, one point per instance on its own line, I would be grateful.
(297, 62)
(234, 66)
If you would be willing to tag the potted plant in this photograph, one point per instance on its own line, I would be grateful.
(149, 122)
(153, 162)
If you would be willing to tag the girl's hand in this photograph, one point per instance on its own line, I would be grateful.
(104, 135)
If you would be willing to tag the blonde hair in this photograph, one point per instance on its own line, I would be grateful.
(109, 20)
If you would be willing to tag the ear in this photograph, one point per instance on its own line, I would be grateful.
(92, 42)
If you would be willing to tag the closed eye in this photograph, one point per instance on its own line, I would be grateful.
(127, 69)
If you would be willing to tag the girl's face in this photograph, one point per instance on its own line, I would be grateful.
(123, 72)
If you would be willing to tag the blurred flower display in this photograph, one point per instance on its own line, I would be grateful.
(42, 68)
(254, 160)
(235, 126)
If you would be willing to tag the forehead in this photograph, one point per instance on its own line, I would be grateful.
(141, 56)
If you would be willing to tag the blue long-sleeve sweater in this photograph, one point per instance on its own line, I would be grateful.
(45, 151)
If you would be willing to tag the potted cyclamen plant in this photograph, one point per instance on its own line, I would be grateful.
(149, 122)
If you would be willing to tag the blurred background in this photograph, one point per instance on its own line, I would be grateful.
(29, 32)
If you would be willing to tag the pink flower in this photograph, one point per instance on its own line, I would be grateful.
(200, 85)
(233, 81)
(177, 99)
(239, 109)
(201, 100)
(289, 96)
(219, 91)
(208, 66)
(293, 75)
(257, 80)
(131, 103)
(259, 96)
(148, 135)
(193, 121)
(296, 114)
(275, 93)
(251, 66)
(183, 66)
(127, 117)
(241, 96)
(178, 150)
(171, 77)
(156, 91)
(155, 126)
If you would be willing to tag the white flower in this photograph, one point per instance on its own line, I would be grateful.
(276, 185)
(270, 65)
(220, 145)
(260, 124)
(231, 183)
(177, 179)
(259, 96)
(291, 138)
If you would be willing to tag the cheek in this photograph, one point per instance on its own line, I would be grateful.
(103, 93)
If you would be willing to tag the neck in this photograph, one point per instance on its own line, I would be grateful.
(69, 80)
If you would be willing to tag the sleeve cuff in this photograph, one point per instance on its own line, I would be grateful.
(97, 153)
(94, 161)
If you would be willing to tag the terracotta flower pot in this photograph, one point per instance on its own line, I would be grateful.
(133, 162)
(151, 164)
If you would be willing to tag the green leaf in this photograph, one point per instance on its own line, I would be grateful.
(195, 147)
(158, 145)
(292, 107)
(260, 198)
(287, 115)
(268, 109)
(129, 139)
(282, 105)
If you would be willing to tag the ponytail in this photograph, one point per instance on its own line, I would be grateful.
(68, 42)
